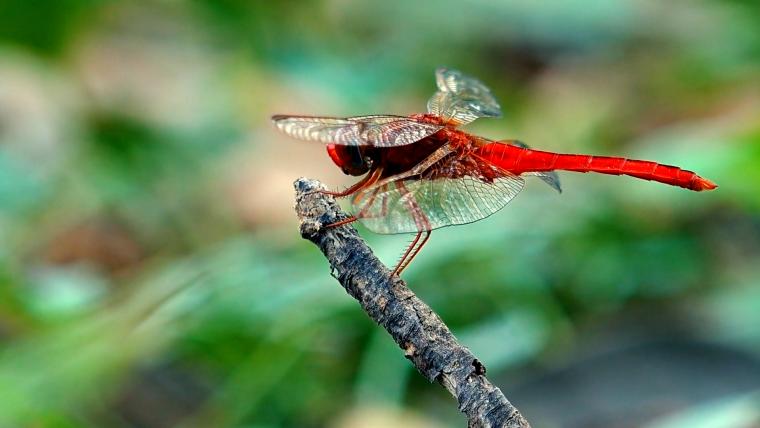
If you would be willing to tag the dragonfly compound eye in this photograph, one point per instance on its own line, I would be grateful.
(350, 159)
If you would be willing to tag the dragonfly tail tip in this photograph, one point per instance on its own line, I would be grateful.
(701, 184)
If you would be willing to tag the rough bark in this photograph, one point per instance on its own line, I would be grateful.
(424, 338)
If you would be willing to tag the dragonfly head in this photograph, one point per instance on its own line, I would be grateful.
(350, 159)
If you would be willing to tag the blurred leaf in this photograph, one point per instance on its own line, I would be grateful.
(383, 373)
(730, 412)
(20, 22)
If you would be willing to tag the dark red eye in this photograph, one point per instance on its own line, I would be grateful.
(348, 158)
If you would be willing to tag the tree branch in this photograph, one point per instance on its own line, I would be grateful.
(425, 339)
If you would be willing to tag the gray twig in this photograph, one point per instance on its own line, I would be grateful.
(420, 333)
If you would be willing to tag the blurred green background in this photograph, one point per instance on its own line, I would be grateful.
(151, 272)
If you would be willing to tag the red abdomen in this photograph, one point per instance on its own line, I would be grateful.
(519, 160)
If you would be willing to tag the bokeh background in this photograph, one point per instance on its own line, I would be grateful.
(151, 273)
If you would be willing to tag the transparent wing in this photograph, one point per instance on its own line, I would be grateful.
(549, 177)
(377, 130)
(454, 191)
(461, 99)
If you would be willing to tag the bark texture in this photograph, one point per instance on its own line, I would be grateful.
(424, 338)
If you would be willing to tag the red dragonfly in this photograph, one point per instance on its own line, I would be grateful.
(422, 173)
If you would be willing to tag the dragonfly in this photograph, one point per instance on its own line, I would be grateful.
(421, 172)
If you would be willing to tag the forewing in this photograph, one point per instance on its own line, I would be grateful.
(322, 129)
(455, 191)
(461, 99)
(376, 130)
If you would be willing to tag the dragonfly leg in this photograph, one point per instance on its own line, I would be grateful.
(423, 227)
(362, 213)
(414, 248)
(338, 223)
(368, 180)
